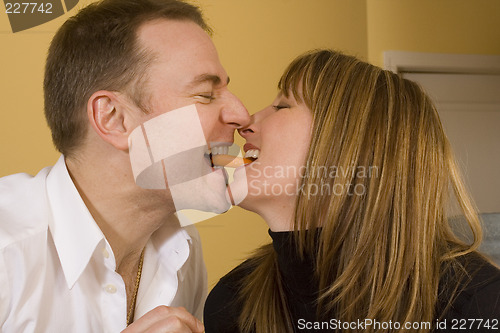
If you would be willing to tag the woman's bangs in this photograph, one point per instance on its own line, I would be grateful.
(291, 82)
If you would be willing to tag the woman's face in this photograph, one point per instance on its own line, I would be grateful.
(279, 137)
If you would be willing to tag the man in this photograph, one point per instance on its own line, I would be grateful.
(82, 247)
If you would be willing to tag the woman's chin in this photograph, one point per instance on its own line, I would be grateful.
(248, 203)
(257, 202)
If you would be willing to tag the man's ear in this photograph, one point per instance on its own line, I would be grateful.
(107, 116)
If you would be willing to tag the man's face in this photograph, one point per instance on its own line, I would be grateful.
(187, 70)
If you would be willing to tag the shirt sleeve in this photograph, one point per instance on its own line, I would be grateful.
(4, 292)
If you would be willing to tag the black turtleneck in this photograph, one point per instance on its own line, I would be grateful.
(299, 282)
(480, 299)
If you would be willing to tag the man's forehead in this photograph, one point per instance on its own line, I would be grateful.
(171, 32)
(183, 51)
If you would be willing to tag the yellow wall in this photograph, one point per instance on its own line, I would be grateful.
(256, 40)
(437, 26)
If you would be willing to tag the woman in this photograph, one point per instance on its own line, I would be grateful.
(353, 176)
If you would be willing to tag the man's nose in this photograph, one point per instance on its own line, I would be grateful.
(234, 113)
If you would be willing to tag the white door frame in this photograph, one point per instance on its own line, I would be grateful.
(418, 62)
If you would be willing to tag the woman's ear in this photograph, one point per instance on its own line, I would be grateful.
(107, 116)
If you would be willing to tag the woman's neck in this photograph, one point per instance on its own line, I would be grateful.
(278, 216)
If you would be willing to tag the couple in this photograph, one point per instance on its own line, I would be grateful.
(368, 168)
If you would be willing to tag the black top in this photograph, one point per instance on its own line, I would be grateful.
(475, 309)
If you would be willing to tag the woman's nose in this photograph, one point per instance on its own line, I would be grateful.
(255, 120)
(248, 130)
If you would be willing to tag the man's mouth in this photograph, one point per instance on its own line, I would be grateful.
(219, 157)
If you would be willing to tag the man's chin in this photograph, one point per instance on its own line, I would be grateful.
(216, 205)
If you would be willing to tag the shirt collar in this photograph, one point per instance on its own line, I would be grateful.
(75, 233)
(166, 254)
(172, 243)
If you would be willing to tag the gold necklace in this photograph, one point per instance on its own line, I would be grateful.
(131, 311)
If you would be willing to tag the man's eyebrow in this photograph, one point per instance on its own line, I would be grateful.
(215, 79)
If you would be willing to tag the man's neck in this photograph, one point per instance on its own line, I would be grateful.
(126, 214)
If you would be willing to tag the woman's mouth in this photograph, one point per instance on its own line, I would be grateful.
(252, 154)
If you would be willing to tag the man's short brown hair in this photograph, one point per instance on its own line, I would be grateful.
(97, 49)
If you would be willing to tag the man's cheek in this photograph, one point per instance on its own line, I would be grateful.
(172, 143)
(209, 120)
(171, 150)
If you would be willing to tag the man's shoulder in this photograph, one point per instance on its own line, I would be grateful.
(23, 206)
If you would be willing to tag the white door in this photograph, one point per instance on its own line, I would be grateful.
(466, 91)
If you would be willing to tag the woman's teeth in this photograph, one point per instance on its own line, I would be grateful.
(252, 153)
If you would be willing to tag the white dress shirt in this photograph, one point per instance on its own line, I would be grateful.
(57, 270)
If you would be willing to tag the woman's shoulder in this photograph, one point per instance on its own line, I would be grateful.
(478, 292)
(222, 307)
(482, 275)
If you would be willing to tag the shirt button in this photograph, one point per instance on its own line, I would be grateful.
(105, 253)
(110, 289)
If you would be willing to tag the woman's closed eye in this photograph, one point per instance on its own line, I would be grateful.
(280, 106)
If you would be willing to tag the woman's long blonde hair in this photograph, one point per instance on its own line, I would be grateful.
(385, 240)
